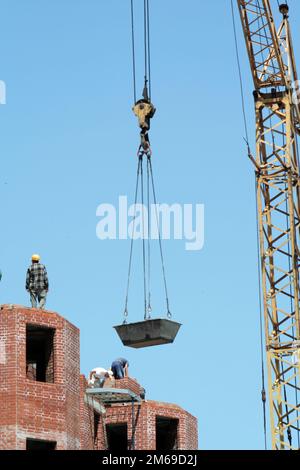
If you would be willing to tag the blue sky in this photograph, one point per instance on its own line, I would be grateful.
(68, 143)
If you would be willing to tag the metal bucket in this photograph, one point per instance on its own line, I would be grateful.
(148, 332)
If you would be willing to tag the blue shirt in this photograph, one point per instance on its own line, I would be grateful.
(122, 361)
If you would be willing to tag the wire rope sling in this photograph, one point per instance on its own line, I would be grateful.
(149, 331)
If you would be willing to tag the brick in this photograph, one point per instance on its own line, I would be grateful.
(33, 409)
(57, 411)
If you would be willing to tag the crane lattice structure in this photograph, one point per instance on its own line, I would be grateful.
(277, 113)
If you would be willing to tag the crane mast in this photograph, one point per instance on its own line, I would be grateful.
(274, 73)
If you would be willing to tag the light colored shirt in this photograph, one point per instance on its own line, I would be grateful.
(96, 373)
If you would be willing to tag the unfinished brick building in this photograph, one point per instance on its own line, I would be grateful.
(45, 403)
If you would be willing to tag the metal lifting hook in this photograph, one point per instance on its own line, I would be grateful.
(144, 110)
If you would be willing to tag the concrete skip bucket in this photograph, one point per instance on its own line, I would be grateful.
(148, 332)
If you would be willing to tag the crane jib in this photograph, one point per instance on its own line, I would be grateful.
(274, 73)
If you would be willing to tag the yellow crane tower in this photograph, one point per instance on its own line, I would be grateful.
(276, 97)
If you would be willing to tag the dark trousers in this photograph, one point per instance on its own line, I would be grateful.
(117, 370)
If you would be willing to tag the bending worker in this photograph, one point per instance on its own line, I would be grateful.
(97, 377)
(120, 368)
(37, 282)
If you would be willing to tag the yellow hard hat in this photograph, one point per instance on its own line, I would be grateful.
(35, 257)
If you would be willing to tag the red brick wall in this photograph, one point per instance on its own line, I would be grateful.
(187, 424)
(145, 415)
(71, 347)
(127, 383)
(57, 411)
(48, 411)
(8, 382)
(145, 424)
(86, 419)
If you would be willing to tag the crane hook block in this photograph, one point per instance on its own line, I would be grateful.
(144, 110)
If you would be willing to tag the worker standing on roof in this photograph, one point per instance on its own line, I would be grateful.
(37, 282)
(120, 368)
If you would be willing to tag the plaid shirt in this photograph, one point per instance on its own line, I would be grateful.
(37, 279)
